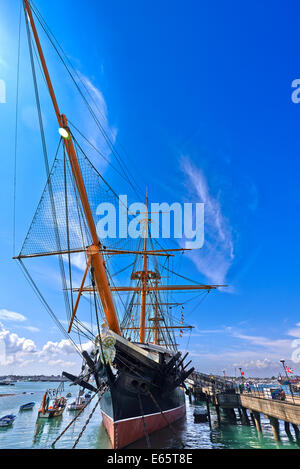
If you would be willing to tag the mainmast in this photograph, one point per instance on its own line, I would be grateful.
(94, 253)
(144, 279)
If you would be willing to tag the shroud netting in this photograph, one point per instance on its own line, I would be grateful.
(59, 223)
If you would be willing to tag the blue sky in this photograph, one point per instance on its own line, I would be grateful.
(199, 95)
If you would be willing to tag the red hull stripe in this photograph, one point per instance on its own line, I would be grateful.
(124, 432)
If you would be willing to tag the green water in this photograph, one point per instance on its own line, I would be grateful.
(26, 432)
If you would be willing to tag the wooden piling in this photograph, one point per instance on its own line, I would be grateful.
(245, 418)
(208, 410)
(296, 430)
(288, 431)
(256, 416)
(252, 417)
(218, 414)
(275, 428)
(287, 428)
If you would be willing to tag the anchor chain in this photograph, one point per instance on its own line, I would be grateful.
(89, 418)
(102, 389)
(144, 423)
(163, 415)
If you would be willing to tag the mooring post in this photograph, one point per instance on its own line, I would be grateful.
(245, 416)
(218, 414)
(275, 428)
(252, 417)
(296, 430)
(208, 410)
(256, 416)
(288, 430)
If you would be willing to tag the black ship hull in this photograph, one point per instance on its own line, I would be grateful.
(125, 422)
(145, 389)
(146, 395)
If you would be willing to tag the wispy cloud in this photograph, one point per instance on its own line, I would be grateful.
(258, 354)
(6, 315)
(217, 254)
(31, 328)
(271, 344)
(97, 136)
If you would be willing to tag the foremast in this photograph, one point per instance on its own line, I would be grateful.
(95, 257)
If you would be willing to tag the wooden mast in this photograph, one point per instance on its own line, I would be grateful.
(94, 251)
(144, 278)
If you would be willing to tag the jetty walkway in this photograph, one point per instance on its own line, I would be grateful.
(250, 403)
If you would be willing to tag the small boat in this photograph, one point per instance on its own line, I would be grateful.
(27, 406)
(51, 408)
(6, 383)
(7, 420)
(78, 404)
(69, 394)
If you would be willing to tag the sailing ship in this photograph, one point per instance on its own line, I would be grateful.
(134, 362)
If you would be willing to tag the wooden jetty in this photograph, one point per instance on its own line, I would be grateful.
(226, 396)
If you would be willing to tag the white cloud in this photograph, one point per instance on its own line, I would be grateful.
(31, 328)
(56, 348)
(61, 363)
(15, 344)
(6, 315)
(217, 254)
(295, 332)
(257, 364)
(23, 355)
(77, 259)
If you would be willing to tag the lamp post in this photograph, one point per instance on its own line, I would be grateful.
(224, 373)
(283, 364)
(242, 381)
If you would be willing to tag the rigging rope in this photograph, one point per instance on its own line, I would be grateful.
(45, 304)
(114, 151)
(16, 136)
(46, 161)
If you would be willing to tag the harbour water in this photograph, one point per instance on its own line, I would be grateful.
(27, 433)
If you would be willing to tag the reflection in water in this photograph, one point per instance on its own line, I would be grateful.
(30, 432)
(48, 428)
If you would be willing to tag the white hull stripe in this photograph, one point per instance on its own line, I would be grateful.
(148, 415)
